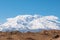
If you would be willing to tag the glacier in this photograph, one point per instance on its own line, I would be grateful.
(24, 23)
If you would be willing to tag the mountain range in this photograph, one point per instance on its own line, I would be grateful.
(33, 23)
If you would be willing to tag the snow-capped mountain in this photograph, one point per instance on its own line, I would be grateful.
(26, 23)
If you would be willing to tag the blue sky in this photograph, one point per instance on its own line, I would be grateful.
(12, 8)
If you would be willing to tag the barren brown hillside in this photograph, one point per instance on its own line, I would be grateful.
(43, 35)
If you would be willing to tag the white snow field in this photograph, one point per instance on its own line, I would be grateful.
(26, 23)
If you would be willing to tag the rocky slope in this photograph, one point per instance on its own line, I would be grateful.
(43, 35)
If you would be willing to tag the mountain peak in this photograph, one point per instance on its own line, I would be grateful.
(30, 22)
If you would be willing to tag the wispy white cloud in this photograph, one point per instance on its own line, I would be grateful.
(25, 22)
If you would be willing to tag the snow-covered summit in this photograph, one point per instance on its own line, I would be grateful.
(30, 22)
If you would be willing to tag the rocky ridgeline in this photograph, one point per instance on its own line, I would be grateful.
(43, 35)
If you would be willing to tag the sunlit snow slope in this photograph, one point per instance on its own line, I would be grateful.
(26, 23)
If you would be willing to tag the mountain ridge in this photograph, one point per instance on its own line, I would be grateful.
(30, 22)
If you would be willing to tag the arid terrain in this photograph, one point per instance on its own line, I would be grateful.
(43, 35)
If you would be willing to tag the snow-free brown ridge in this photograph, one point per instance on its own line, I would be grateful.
(43, 35)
